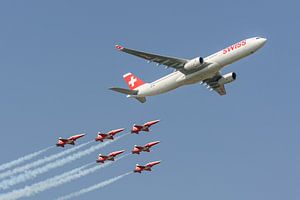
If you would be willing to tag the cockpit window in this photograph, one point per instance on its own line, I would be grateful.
(257, 38)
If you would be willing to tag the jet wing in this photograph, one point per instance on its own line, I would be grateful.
(138, 126)
(64, 140)
(213, 84)
(176, 63)
(138, 147)
(102, 156)
(102, 134)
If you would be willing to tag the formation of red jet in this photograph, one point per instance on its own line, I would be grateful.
(147, 167)
(110, 136)
(138, 149)
(71, 140)
(111, 156)
(145, 127)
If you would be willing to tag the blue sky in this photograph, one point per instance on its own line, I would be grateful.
(58, 59)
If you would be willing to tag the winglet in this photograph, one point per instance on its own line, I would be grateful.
(119, 47)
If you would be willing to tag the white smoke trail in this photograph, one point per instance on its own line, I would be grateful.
(93, 187)
(41, 161)
(36, 188)
(23, 159)
(53, 179)
(30, 174)
(73, 171)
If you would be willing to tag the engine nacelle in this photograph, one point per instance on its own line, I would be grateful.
(227, 78)
(194, 63)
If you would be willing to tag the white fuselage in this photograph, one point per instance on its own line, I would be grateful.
(215, 63)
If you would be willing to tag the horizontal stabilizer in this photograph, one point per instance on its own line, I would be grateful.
(141, 99)
(124, 91)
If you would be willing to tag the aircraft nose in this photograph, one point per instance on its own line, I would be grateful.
(264, 40)
(260, 42)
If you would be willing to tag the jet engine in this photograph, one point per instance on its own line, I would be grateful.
(227, 78)
(194, 63)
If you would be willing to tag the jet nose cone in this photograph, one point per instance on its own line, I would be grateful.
(260, 42)
(264, 40)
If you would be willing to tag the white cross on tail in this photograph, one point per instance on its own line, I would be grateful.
(132, 81)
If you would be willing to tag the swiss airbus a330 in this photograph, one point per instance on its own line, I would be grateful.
(189, 71)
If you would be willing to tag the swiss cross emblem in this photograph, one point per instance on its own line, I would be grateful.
(132, 81)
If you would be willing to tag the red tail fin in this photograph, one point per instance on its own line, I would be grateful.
(132, 81)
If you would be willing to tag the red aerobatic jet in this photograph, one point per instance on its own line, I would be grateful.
(71, 140)
(109, 135)
(110, 156)
(146, 147)
(137, 128)
(147, 167)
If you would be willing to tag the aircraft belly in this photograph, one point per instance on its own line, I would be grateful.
(177, 79)
(203, 74)
(163, 85)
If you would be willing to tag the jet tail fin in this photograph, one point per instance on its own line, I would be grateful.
(132, 81)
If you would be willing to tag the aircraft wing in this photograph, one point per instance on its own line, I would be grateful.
(138, 147)
(138, 126)
(176, 63)
(102, 134)
(64, 140)
(213, 84)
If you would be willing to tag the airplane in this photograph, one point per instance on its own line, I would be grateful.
(146, 147)
(110, 135)
(147, 167)
(206, 71)
(145, 127)
(71, 140)
(110, 156)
